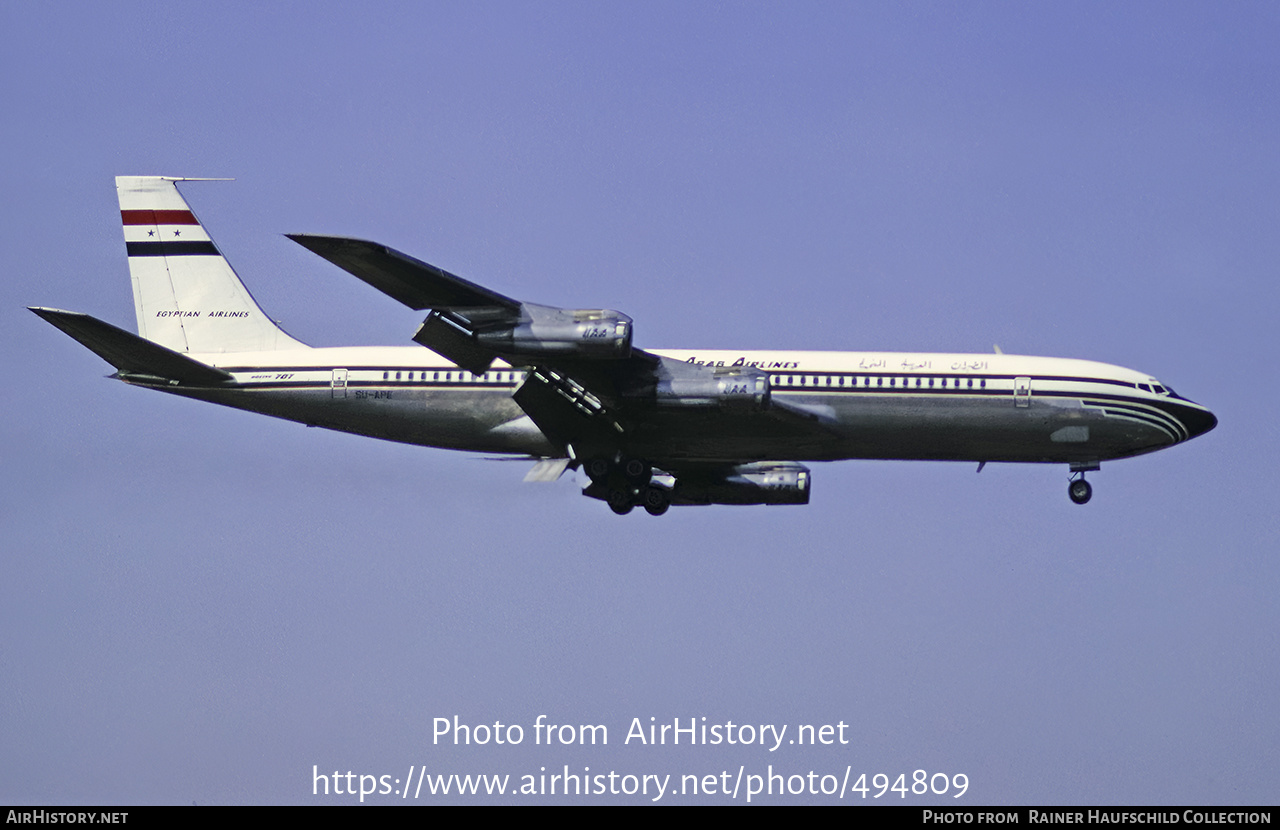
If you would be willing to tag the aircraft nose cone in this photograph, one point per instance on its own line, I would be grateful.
(1199, 421)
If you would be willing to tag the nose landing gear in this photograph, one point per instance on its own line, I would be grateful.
(1078, 489)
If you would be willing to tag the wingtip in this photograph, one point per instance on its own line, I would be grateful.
(46, 313)
(323, 244)
(306, 240)
(309, 239)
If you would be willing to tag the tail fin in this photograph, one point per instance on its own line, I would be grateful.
(186, 296)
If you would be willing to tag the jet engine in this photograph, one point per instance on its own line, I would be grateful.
(763, 482)
(729, 386)
(543, 330)
(473, 337)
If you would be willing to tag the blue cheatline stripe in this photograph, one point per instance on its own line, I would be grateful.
(171, 249)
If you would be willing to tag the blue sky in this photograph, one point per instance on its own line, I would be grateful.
(201, 604)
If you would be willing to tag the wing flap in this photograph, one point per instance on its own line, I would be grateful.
(547, 470)
(130, 353)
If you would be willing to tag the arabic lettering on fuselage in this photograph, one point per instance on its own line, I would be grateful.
(909, 364)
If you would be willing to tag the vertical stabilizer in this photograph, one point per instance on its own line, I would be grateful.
(185, 294)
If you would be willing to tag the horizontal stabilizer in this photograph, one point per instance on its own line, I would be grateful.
(401, 277)
(130, 353)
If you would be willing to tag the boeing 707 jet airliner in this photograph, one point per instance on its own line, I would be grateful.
(567, 389)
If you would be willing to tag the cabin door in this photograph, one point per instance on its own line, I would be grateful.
(1022, 391)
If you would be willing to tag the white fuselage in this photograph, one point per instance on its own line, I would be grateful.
(987, 407)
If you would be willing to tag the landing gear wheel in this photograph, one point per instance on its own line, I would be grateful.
(620, 502)
(1080, 491)
(656, 500)
(637, 471)
(597, 469)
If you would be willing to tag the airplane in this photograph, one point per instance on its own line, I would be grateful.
(567, 389)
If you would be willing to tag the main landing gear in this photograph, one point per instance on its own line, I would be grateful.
(626, 483)
(1079, 490)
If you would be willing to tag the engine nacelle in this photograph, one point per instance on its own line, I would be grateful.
(542, 330)
(763, 482)
(726, 387)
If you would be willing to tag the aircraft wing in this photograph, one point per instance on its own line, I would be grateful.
(586, 387)
(411, 281)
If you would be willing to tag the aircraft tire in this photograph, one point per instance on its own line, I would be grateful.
(620, 501)
(1080, 491)
(637, 471)
(597, 469)
(656, 501)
